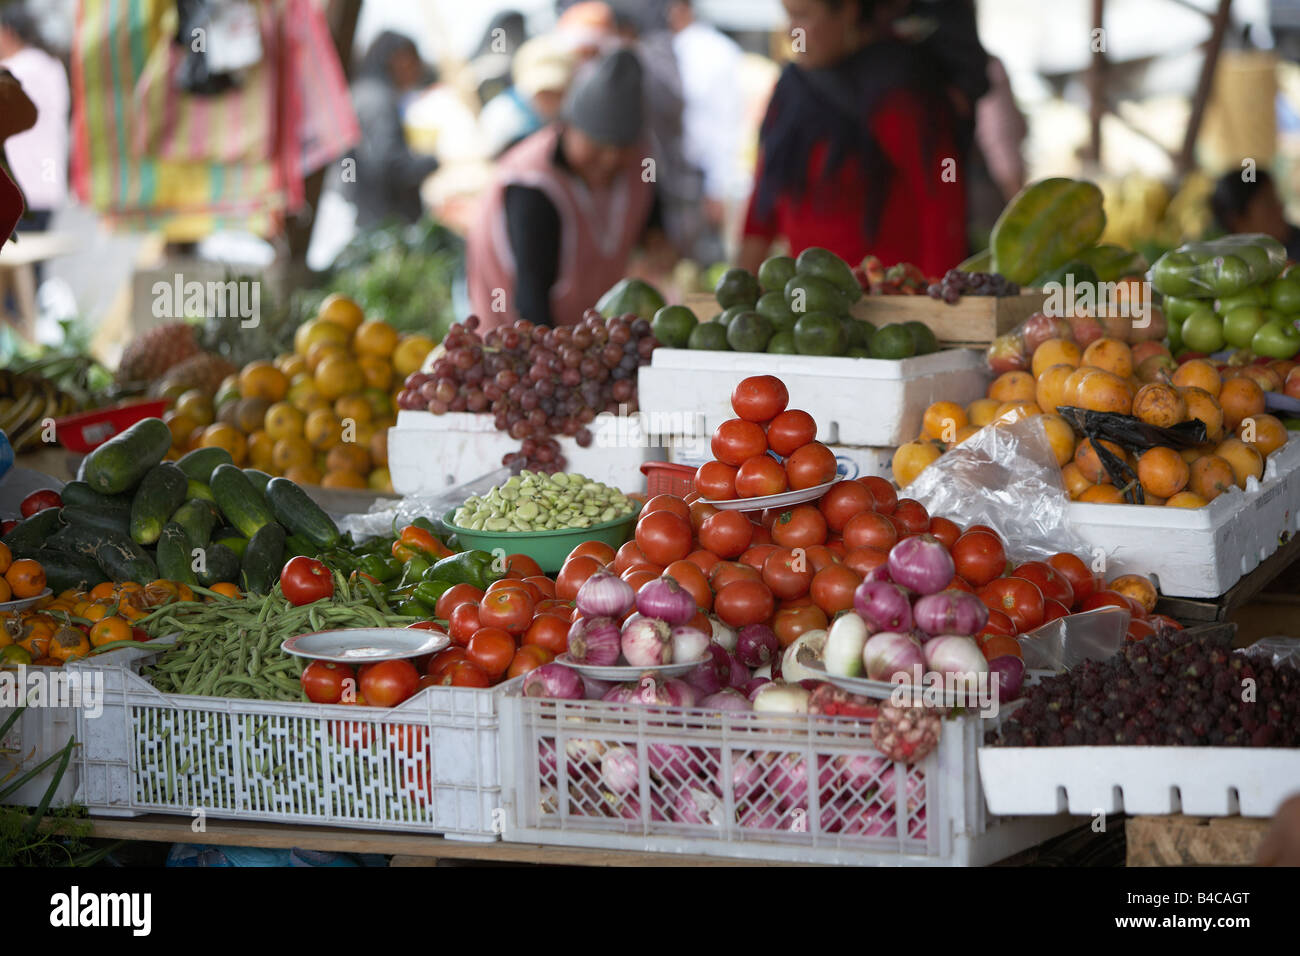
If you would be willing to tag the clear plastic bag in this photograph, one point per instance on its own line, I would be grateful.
(1004, 476)
(1218, 268)
(1278, 650)
(384, 516)
(1080, 314)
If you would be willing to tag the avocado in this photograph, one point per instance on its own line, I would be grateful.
(737, 287)
(857, 333)
(631, 295)
(749, 332)
(775, 272)
(708, 336)
(819, 333)
(824, 264)
(893, 341)
(857, 351)
(727, 315)
(782, 344)
(922, 337)
(805, 294)
(673, 325)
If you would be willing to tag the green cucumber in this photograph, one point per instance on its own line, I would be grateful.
(161, 492)
(121, 463)
(197, 489)
(263, 559)
(66, 571)
(295, 510)
(78, 494)
(174, 555)
(198, 518)
(260, 479)
(100, 520)
(199, 464)
(241, 502)
(219, 564)
(120, 558)
(31, 533)
(234, 542)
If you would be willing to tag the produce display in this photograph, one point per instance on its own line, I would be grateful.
(1045, 226)
(956, 283)
(540, 502)
(28, 400)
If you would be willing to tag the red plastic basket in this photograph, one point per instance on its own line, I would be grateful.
(663, 478)
(86, 431)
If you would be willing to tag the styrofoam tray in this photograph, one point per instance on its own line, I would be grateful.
(1198, 781)
(864, 402)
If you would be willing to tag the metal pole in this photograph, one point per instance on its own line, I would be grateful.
(1187, 157)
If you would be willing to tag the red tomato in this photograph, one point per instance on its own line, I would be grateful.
(388, 683)
(528, 658)
(801, 527)
(516, 584)
(555, 606)
(946, 531)
(998, 623)
(958, 583)
(727, 572)
(790, 430)
(757, 554)
(863, 560)
(1052, 583)
(39, 501)
(1138, 630)
(323, 681)
(596, 549)
(788, 574)
(760, 398)
(439, 663)
(810, 465)
(667, 503)
(463, 623)
(832, 588)
(820, 556)
(1052, 609)
(628, 555)
(543, 584)
(790, 622)
(716, 481)
(759, 476)
(465, 674)
(1082, 581)
(548, 631)
(727, 534)
(1019, 599)
(979, 557)
(910, 517)
(664, 537)
(426, 680)
(1164, 623)
(492, 649)
(575, 573)
(844, 500)
(837, 546)
(761, 535)
(511, 610)
(870, 529)
(701, 623)
(1108, 598)
(305, 580)
(523, 565)
(985, 528)
(637, 579)
(742, 603)
(882, 492)
(693, 580)
(699, 511)
(735, 441)
(706, 561)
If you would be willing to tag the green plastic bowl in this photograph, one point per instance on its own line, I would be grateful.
(547, 548)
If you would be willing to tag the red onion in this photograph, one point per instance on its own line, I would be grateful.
(623, 694)
(950, 612)
(713, 675)
(727, 700)
(619, 770)
(595, 640)
(955, 654)
(678, 693)
(694, 805)
(763, 814)
(861, 772)
(747, 772)
(753, 687)
(757, 645)
(913, 787)
(879, 573)
(593, 689)
(665, 599)
(883, 606)
(788, 780)
(547, 760)
(921, 563)
(672, 763)
(889, 653)
(1010, 673)
(739, 675)
(646, 642)
(860, 821)
(689, 643)
(723, 635)
(555, 681)
(605, 595)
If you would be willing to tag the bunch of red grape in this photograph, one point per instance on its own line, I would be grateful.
(956, 284)
(537, 382)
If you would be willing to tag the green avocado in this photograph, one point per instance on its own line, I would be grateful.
(709, 337)
(737, 287)
(819, 333)
(631, 295)
(749, 332)
(824, 264)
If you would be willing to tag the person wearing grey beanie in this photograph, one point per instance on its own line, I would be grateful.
(568, 205)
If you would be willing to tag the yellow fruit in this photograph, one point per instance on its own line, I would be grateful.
(1246, 461)
(1186, 499)
(282, 420)
(912, 458)
(260, 451)
(1014, 411)
(410, 353)
(362, 434)
(375, 337)
(376, 372)
(313, 402)
(1061, 437)
(263, 380)
(321, 351)
(322, 430)
(228, 437)
(227, 391)
(1054, 352)
(355, 407)
(942, 420)
(380, 480)
(181, 427)
(315, 331)
(381, 404)
(289, 453)
(347, 457)
(343, 479)
(982, 411)
(303, 475)
(196, 405)
(337, 375)
(1050, 390)
(250, 413)
(341, 310)
(292, 365)
(379, 448)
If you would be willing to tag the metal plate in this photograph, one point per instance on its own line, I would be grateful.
(23, 603)
(775, 501)
(363, 645)
(625, 672)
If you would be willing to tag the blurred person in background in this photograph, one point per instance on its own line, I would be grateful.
(1254, 206)
(17, 115)
(38, 157)
(568, 205)
(997, 167)
(388, 173)
(587, 29)
(858, 150)
(542, 70)
(490, 63)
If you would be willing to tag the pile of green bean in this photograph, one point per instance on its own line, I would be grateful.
(231, 648)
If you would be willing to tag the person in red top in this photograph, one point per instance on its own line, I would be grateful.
(860, 150)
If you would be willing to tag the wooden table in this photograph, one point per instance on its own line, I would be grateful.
(18, 261)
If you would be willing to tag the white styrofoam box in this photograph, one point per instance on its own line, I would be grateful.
(850, 461)
(1198, 781)
(861, 402)
(1201, 552)
(429, 453)
(431, 764)
(929, 813)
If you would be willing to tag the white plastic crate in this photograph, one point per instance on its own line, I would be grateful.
(429, 453)
(430, 764)
(850, 461)
(1202, 552)
(1198, 781)
(860, 402)
(36, 735)
(882, 813)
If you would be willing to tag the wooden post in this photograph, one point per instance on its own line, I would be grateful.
(1096, 81)
(1187, 157)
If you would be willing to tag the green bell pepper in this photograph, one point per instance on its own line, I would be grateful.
(468, 567)
(413, 607)
(413, 570)
(430, 591)
(380, 568)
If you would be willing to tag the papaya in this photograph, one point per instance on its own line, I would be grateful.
(1045, 226)
(631, 295)
(980, 262)
(1112, 263)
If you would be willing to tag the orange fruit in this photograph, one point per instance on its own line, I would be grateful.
(1000, 645)
(103, 591)
(1103, 391)
(1244, 459)
(1015, 386)
(1198, 373)
(942, 420)
(290, 452)
(343, 479)
(341, 310)
(1138, 587)
(347, 457)
(322, 430)
(260, 448)
(963, 433)
(1205, 407)
(337, 375)
(26, 578)
(1210, 477)
(1055, 352)
(1265, 432)
(228, 437)
(6, 557)
(1160, 405)
(109, 629)
(1102, 495)
(291, 364)
(378, 448)
(1074, 481)
(912, 458)
(1050, 391)
(411, 351)
(261, 379)
(320, 352)
(307, 474)
(1240, 398)
(35, 637)
(282, 420)
(375, 337)
(353, 406)
(226, 589)
(1061, 437)
(1014, 411)
(1152, 500)
(1186, 499)
(982, 411)
(316, 332)
(1163, 472)
(1070, 385)
(1110, 354)
(6, 593)
(181, 427)
(1089, 464)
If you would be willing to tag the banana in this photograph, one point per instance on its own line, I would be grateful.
(21, 413)
(29, 438)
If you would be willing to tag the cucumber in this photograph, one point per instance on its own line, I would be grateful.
(78, 494)
(199, 463)
(174, 555)
(263, 559)
(198, 518)
(197, 489)
(258, 478)
(120, 558)
(232, 540)
(295, 510)
(99, 520)
(121, 463)
(161, 492)
(66, 571)
(295, 545)
(31, 533)
(241, 503)
(219, 564)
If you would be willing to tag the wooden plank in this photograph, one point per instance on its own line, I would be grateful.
(1193, 841)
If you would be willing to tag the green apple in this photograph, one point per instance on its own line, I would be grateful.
(1255, 295)
(1284, 294)
(1279, 339)
(1241, 324)
(1226, 275)
(1176, 309)
(1203, 331)
(1175, 335)
(1172, 274)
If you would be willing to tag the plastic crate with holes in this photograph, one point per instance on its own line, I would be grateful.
(750, 785)
(430, 765)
